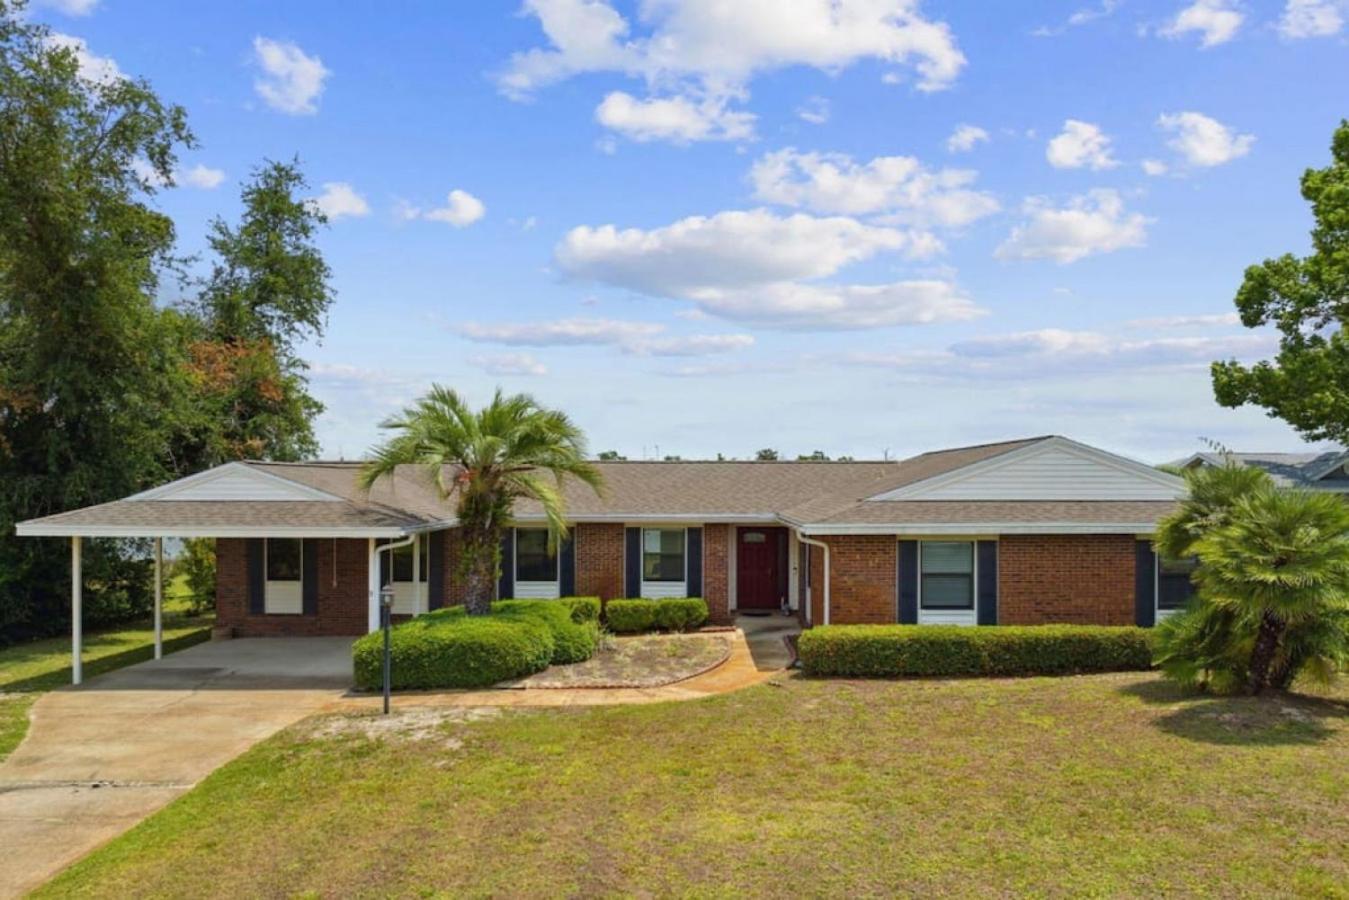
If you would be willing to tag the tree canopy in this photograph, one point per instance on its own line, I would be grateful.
(1307, 299)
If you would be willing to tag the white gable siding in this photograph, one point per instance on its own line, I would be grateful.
(234, 482)
(1055, 472)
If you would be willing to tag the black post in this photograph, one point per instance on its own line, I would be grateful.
(385, 617)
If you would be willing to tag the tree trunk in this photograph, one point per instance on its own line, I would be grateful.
(1262, 654)
(481, 574)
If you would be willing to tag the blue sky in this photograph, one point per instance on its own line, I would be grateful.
(708, 227)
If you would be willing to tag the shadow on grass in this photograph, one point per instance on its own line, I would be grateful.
(140, 652)
(1275, 719)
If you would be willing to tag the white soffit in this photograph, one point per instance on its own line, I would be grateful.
(1052, 469)
(235, 481)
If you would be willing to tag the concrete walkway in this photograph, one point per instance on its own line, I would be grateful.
(101, 757)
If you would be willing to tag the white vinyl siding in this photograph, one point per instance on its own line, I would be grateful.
(234, 481)
(1055, 471)
(948, 582)
(665, 563)
(283, 562)
(532, 561)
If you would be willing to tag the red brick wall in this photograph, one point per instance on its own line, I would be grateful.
(599, 560)
(1081, 579)
(862, 579)
(716, 574)
(342, 592)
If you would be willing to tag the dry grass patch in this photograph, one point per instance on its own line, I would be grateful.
(641, 661)
(1098, 785)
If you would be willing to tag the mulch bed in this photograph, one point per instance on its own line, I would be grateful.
(641, 661)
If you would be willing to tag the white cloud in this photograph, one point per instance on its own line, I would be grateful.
(1080, 144)
(815, 111)
(461, 209)
(963, 139)
(756, 266)
(1079, 17)
(634, 338)
(1154, 167)
(508, 364)
(203, 177)
(1217, 21)
(340, 200)
(1311, 18)
(706, 52)
(70, 7)
(1091, 223)
(1203, 141)
(198, 176)
(292, 80)
(678, 119)
(93, 68)
(898, 186)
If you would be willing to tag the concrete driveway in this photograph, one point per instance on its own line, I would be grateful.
(103, 756)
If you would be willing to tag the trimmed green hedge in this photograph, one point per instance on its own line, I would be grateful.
(583, 609)
(450, 649)
(666, 614)
(882, 651)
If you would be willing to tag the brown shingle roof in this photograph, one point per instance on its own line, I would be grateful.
(1002, 512)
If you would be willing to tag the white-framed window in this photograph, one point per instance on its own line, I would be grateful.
(537, 573)
(664, 562)
(946, 582)
(1174, 585)
(409, 594)
(283, 562)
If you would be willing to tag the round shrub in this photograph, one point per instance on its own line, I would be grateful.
(630, 616)
(680, 613)
(583, 609)
(455, 651)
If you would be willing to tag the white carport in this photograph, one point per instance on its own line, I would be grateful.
(247, 500)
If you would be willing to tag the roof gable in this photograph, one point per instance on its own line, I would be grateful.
(235, 481)
(1051, 469)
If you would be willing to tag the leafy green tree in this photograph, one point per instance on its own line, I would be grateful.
(196, 564)
(268, 289)
(610, 455)
(816, 456)
(485, 460)
(92, 385)
(1307, 299)
(768, 454)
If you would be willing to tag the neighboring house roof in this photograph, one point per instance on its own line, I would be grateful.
(1036, 484)
(1319, 470)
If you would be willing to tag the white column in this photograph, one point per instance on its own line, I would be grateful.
(372, 618)
(159, 598)
(76, 609)
(418, 601)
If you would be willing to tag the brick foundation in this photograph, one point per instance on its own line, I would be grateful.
(1079, 579)
(342, 592)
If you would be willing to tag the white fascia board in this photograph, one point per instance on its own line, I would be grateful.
(39, 529)
(1121, 463)
(995, 528)
(166, 491)
(671, 518)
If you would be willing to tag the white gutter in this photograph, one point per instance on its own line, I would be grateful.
(963, 528)
(375, 583)
(825, 547)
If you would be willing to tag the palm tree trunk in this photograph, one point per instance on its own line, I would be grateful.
(482, 548)
(1262, 654)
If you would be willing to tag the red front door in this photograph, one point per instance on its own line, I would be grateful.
(758, 568)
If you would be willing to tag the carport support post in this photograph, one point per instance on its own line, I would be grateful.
(76, 611)
(159, 598)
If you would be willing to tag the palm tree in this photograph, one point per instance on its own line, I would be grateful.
(486, 459)
(1279, 563)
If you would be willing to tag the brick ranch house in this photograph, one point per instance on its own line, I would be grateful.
(1029, 531)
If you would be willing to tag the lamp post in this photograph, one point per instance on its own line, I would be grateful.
(385, 621)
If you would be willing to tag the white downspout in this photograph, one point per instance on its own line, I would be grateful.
(825, 547)
(374, 579)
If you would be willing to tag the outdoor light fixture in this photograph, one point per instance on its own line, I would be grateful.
(385, 622)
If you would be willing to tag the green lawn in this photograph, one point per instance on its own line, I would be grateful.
(36, 666)
(1098, 785)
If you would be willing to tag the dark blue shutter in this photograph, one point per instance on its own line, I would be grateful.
(435, 570)
(309, 576)
(567, 566)
(257, 576)
(1145, 584)
(506, 583)
(693, 550)
(988, 582)
(908, 582)
(632, 562)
